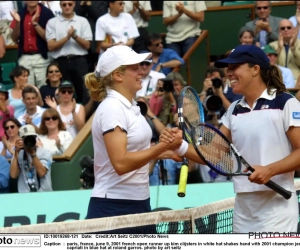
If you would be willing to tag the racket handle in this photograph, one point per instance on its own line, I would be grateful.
(280, 190)
(272, 185)
(183, 180)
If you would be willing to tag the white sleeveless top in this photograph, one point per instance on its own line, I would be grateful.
(68, 120)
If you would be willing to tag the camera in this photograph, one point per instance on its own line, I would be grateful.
(217, 82)
(213, 103)
(167, 85)
(29, 141)
(87, 174)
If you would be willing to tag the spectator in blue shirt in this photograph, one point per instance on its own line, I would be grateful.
(4, 175)
(164, 60)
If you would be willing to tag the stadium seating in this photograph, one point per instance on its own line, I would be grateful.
(6, 69)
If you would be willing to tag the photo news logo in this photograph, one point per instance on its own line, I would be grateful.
(270, 235)
(20, 241)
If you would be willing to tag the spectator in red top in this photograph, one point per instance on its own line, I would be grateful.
(29, 31)
(6, 111)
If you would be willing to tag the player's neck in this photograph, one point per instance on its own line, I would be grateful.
(252, 95)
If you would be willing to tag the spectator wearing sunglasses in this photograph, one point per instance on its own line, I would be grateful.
(6, 111)
(53, 135)
(69, 38)
(54, 79)
(7, 145)
(287, 47)
(149, 79)
(265, 26)
(71, 113)
(164, 60)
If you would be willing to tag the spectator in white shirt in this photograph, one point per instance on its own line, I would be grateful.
(149, 79)
(140, 11)
(5, 8)
(33, 113)
(52, 133)
(183, 19)
(54, 6)
(115, 28)
(296, 19)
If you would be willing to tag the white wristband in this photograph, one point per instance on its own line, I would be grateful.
(183, 148)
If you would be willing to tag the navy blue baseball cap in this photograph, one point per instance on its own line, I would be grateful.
(245, 54)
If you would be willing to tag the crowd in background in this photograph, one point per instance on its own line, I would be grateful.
(59, 42)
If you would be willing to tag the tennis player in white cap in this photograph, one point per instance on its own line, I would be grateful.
(121, 136)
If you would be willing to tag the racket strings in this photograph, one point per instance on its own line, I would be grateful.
(215, 150)
(190, 109)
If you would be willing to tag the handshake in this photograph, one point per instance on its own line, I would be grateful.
(171, 137)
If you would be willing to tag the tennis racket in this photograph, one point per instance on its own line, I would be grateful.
(219, 154)
(189, 109)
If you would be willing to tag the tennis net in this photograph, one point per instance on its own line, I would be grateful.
(213, 218)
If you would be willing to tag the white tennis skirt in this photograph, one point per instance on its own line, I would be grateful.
(265, 211)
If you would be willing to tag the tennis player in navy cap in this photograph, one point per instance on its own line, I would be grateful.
(264, 126)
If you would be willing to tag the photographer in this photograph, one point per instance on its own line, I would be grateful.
(31, 164)
(163, 102)
(217, 85)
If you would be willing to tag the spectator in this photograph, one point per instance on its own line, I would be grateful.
(265, 26)
(71, 113)
(4, 175)
(6, 111)
(54, 6)
(31, 165)
(183, 21)
(5, 8)
(33, 113)
(7, 145)
(296, 19)
(224, 92)
(164, 60)
(287, 74)
(54, 79)
(69, 37)
(149, 79)
(140, 11)
(246, 36)
(154, 122)
(115, 28)
(178, 82)
(287, 47)
(91, 10)
(52, 133)
(19, 77)
(29, 26)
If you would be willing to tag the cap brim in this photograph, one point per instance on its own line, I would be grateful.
(138, 58)
(28, 134)
(224, 62)
(66, 86)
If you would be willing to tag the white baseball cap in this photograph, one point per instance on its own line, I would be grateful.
(27, 130)
(116, 56)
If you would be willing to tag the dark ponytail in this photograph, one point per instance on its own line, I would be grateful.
(272, 77)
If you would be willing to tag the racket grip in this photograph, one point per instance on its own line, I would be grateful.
(182, 180)
(280, 190)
